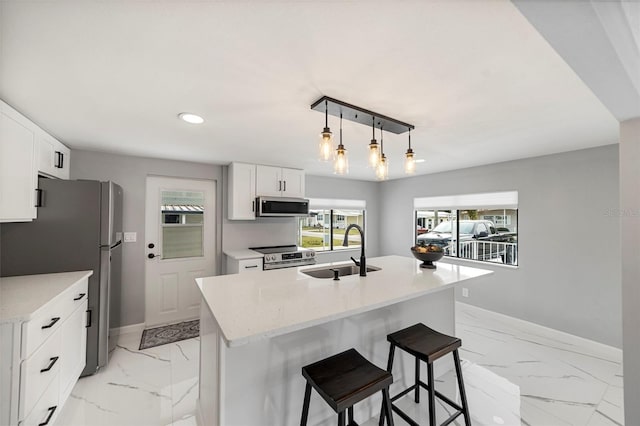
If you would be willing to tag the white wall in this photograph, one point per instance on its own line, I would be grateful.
(569, 273)
(131, 173)
(630, 242)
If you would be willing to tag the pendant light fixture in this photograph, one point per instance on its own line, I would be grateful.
(382, 169)
(326, 137)
(377, 160)
(374, 152)
(341, 162)
(409, 160)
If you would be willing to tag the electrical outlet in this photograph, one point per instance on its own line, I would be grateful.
(465, 292)
(130, 237)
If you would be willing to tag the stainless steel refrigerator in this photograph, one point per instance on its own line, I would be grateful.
(79, 227)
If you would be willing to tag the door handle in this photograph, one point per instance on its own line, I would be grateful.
(51, 411)
(52, 362)
(153, 255)
(59, 160)
(52, 323)
(285, 186)
(38, 198)
(279, 185)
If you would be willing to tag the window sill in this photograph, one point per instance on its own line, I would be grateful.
(478, 263)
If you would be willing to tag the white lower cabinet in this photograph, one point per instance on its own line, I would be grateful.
(235, 266)
(43, 358)
(47, 407)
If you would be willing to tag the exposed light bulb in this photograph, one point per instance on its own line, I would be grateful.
(382, 170)
(326, 145)
(409, 162)
(341, 162)
(374, 154)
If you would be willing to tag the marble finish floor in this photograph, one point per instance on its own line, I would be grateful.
(516, 373)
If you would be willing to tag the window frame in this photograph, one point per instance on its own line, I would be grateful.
(460, 203)
(339, 205)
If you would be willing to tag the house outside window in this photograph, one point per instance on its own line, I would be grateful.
(480, 227)
(324, 228)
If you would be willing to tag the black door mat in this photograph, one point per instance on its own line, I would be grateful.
(169, 334)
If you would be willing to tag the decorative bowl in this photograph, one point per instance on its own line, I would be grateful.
(432, 254)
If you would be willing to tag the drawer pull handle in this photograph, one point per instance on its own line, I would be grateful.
(250, 266)
(80, 296)
(52, 323)
(51, 411)
(52, 362)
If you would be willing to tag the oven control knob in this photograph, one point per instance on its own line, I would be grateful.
(313, 253)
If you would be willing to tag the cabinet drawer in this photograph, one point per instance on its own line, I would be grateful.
(46, 409)
(49, 319)
(248, 265)
(38, 371)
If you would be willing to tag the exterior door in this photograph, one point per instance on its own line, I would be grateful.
(179, 246)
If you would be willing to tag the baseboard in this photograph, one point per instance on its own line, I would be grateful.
(611, 350)
(133, 328)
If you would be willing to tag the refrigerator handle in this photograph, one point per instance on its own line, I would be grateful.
(88, 318)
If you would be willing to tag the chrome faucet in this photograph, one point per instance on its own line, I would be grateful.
(363, 261)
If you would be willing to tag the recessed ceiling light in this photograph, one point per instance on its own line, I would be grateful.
(420, 160)
(191, 118)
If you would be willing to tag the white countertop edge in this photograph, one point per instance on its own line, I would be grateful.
(239, 341)
(243, 254)
(232, 343)
(73, 277)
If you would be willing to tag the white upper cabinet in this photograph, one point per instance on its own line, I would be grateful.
(242, 191)
(18, 173)
(279, 182)
(293, 183)
(53, 157)
(25, 151)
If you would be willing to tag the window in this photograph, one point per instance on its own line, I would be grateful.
(480, 227)
(324, 228)
(182, 224)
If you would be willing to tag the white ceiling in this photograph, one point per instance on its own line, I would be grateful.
(474, 77)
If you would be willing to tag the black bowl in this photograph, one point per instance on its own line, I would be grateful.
(427, 258)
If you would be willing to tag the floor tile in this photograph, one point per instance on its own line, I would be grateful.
(515, 373)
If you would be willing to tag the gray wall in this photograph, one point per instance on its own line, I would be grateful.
(131, 173)
(630, 230)
(569, 272)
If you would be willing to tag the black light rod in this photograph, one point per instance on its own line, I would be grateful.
(363, 116)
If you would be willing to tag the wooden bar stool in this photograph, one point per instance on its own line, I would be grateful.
(344, 380)
(428, 345)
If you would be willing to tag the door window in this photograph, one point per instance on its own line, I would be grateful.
(182, 224)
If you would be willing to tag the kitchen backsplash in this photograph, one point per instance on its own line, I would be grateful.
(261, 232)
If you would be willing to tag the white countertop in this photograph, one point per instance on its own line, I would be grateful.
(243, 254)
(251, 307)
(23, 296)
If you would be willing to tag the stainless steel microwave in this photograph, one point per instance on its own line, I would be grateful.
(281, 207)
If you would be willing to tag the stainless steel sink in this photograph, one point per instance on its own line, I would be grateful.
(327, 272)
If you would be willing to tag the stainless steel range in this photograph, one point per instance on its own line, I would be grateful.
(277, 257)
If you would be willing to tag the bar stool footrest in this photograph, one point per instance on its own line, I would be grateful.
(404, 416)
(444, 398)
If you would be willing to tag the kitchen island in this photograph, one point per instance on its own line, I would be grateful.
(258, 330)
